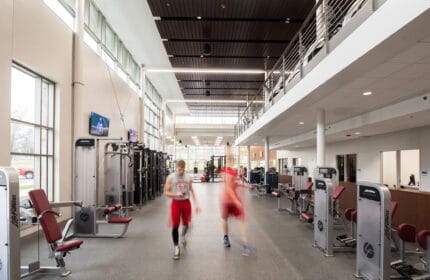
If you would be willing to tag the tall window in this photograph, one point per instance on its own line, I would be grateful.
(152, 117)
(32, 131)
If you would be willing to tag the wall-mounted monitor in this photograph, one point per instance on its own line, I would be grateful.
(99, 125)
(133, 136)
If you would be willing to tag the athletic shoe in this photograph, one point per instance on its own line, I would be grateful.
(177, 253)
(246, 251)
(226, 241)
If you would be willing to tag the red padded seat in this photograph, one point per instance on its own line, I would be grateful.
(275, 194)
(307, 217)
(117, 206)
(69, 245)
(337, 192)
(109, 210)
(422, 238)
(308, 186)
(120, 220)
(407, 232)
(348, 213)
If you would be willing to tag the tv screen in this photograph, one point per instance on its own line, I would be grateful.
(99, 125)
(133, 135)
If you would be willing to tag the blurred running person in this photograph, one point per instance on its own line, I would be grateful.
(179, 186)
(232, 205)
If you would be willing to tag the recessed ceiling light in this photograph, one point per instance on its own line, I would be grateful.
(287, 20)
(357, 133)
(194, 137)
(367, 93)
(301, 123)
(199, 17)
(202, 56)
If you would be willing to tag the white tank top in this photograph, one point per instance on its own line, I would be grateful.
(180, 184)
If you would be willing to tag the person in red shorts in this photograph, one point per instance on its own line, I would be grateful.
(232, 205)
(179, 186)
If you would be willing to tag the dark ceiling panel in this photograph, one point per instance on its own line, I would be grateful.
(227, 30)
(242, 34)
(219, 77)
(225, 92)
(220, 85)
(232, 8)
(225, 49)
(233, 63)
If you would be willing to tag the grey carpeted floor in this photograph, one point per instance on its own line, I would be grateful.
(282, 247)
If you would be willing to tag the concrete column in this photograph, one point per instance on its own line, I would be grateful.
(6, 35)
(78, 66)
(266, 157)
(248, 163)
(321, 137)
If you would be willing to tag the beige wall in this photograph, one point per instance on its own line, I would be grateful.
(44, 43)
(6, 11)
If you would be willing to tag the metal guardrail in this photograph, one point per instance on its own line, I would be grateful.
(310, 44)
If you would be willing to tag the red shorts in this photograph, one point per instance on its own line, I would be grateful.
(230, 209)
(178, 209)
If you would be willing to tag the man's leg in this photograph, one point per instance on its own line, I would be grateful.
(186, 219)
(175, 213)
(225, 228)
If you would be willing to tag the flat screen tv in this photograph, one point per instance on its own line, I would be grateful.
(99, 125)
(133, 135)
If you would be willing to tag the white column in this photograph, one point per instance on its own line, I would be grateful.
(266, 157)
(78, 66)
(6, 35)
(248, 164)
(142, 103)
(321, 137)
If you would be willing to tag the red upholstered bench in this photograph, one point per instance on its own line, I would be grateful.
(307, 217)
(119, 220)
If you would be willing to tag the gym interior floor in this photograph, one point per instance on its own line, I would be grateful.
(282, 247)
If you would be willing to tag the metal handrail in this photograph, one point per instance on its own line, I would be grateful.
(324, 21)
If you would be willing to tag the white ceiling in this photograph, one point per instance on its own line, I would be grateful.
(393, 72)
(133, 21)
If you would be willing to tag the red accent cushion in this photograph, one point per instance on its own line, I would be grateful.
(275, 194)
(69, 245)
(109, 210)
(308, 186)
(307, 217)
(407, 232)
(348, 213)
(120, 220)
(48, 222)
(354, 216)
(337, 192)
(422, 238)
(117, 206)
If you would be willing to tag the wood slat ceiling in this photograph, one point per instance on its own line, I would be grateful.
(242, 34)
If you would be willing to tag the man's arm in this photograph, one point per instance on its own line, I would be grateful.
(193, 195)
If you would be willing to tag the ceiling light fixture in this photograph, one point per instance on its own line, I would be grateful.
(367, 93)
(301, 123)
(206, 70)
(357, 133)
(199, 17)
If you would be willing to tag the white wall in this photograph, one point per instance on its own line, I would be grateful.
(6, 11)
(368, 151)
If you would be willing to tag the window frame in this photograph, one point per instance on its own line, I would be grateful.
(40, 155)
